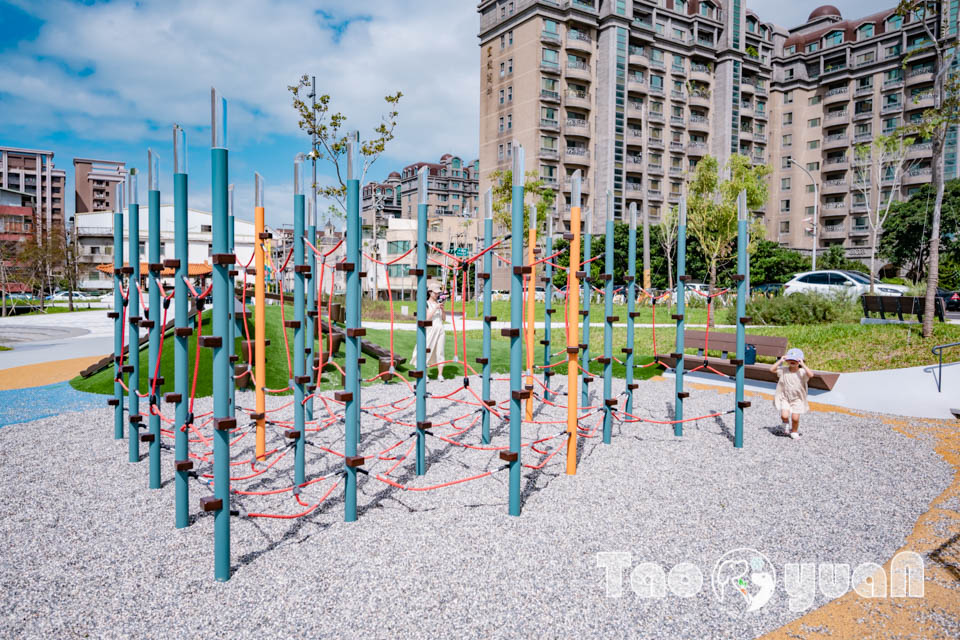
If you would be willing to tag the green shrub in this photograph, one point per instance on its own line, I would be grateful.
(800, 308)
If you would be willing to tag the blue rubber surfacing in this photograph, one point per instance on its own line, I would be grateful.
(34, 403)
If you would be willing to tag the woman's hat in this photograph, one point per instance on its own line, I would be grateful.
(794, 354)
(434, 286)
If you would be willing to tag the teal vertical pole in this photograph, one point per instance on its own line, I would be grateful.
(742, 265)
(609, 402)
(311, 317)
(222, 375)
(133, 300)
(516, 325)
(548, 313)
(487, 311)
(681, 309)
(421, 389)
(232, 308)
(181, 322)
(153, 197)
(631, 303)
(118, 305)
(300, 378)
(352, 386)
(585, 312)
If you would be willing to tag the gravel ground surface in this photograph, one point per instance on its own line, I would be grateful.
(89, 550)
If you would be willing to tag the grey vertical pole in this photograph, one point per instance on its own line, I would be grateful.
(548, 310)
(133, 300)
(609, 402)
(516, 323)
(646, 247)
(352, 363)
(742, 266)
(681, 309)
(487, 311)
(312, 317)
(182, 331)
(585, 312)
(631, 304)
(421, 271)
(118, 304)
(232, 308)
(300, 379)
(223, 422)
(154, 267)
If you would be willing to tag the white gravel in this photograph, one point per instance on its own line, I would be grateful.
(89, 550)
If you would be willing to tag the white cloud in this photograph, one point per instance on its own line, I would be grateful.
(126, 71)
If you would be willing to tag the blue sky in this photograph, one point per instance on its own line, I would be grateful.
(107, 80)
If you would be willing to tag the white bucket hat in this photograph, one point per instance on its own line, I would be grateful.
(434, 286)
(794, 354)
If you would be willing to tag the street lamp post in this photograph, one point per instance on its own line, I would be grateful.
(816, 209)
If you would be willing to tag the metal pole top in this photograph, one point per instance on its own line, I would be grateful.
(487, 204)
(153, 170)
(257, 189)
(218, 119)
(353, 155)
(179, 149)
(518, 164)
(609, 202)
(299, 175)
(422, 175)
(683, 211)
(575, 189)
(742, 205)
(230, 200)
(118, 201)
(132, 197)
(633, 215)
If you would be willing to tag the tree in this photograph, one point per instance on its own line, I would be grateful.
(884, 160)
(904, 241)
(836, 258)
(712, 207)
(39, 258)
(770, 262)
(935, 122)
(328, 127)
(543, 198)
(667, 237)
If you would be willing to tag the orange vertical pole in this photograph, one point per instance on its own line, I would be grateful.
(573, 316)
(260, 315)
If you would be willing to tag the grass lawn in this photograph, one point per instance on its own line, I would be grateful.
(839, 347)
(3, 348)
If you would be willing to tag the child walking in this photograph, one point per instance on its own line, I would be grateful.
(791, 396)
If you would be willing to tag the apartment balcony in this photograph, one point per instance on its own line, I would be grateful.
(837, 164)
(655, 143)
(746, 135)
(634, 162)
(676, 146)
(919, 76)
(634, 187)
(657, 91)
(919, 175)
(579, 42)
(578, 99)
(638, 56)
(635, 110)
(655, 194)
(676, 172)
(835, 68)
(699, 123)
(635, 135)
(837, 116)
(894, 83)
(578, 70)
(549, 37)
(584, 5)
(760, 137)
(547, 124)
(760, 115)
(758, 159)
(577, 126)
(550, 67)
(921, 101)
(862, 115)
(677, 121)
(699, 98)
(658, 64)
(549, 96)
(833, 230)
(678, 96)
(700, 72)
(861, 138)
(840, 94)
(547, 153)
(834, 208)
(678, 70)
(636, 84)
(835, 186)
(746, 109)
(836, 141)
(891, 107)
(655, 169)
(919, 150)
(656, 117)
(576, 155)
(568, 185)
(863, 92)
(859, 230)
(697, 149)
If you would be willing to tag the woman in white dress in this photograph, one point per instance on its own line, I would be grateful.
(435, 332)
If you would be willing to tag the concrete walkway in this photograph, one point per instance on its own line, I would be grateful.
(46, 338)
(911, 391)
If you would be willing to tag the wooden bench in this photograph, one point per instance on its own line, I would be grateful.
(899, 306)
(726, 344)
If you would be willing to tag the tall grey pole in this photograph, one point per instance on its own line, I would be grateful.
(816, 211)
(646, 246)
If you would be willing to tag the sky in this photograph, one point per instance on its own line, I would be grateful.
(107, 80)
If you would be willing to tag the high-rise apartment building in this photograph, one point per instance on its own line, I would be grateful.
(634, 93)
(94, 182)
(31, 171)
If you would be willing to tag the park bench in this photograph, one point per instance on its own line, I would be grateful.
(726, 343)
(898, 306)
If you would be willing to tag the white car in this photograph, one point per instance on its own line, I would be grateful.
(839, 283)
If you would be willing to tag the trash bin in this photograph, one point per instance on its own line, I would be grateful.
(750, 354)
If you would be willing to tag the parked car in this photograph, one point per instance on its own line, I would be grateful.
(689, 291)
(839, 283)
(499, 294)
(65, 295)
(951, 299)
(540, 294)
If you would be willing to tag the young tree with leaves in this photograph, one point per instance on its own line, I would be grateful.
(936, 121)
(883, 160)
(667, 230)
(543, 199)
(712, 206)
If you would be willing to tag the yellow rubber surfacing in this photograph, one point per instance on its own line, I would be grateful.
(44, 373)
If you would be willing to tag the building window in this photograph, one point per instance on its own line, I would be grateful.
(866, 58)
(894, 23)
(833, 39)
(395, 247)
(788, 97)
(510, 65)
(811, 188)
(503, 69)
(509, 121)
(501, 124)
(788, 74)
(813, 144)
(785, 206)
(813, 166)
(785, 226)
(501, 96)
(785, 162)
(813, 122)
(510, 38)
(790, 50)
(784, 184)
(788, 140)
(813, 46)
(510, 94)
(503, 42)
(500, 152)
(864, 32)
(788, 118)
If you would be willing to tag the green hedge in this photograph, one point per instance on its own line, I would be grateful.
(800, 308)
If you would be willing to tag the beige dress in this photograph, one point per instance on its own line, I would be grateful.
(791, 392)
(435, 337)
